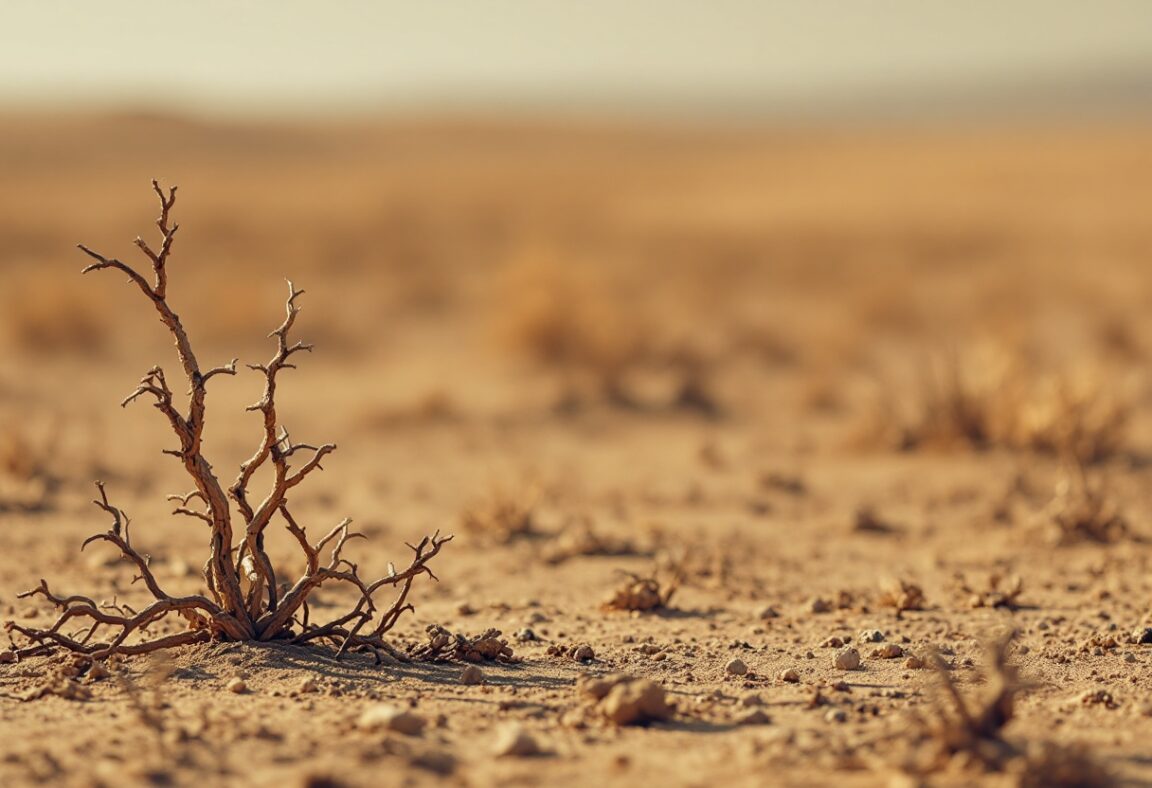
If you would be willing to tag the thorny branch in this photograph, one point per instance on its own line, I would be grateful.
(228, 612)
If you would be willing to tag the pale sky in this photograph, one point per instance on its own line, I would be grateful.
(358, 55)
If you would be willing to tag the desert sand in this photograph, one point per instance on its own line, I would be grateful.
(871, 391)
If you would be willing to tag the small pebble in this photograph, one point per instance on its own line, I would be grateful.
(392, 718)
(514, 741)
(790, 676)
(98, 671)
(836, 715)
(307, 685)
(583, 653)
(820, 605)
(848, 659)
(914, 663)
(471, 675)
(888, 651)
(754, 717)
(237, 686)
(736, 668)
(871, 636)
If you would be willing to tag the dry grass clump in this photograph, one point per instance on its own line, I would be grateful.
(502, 518)
(1083, 511)
(641, 593)
(990, 398)
(578, 538)
(443, 646)
(902, 595)
(560, 317)
(245, 599)
(596, 334)
(29, 478)
(966, 734)
(1000, 591)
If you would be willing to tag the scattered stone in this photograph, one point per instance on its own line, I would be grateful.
(914, 662)
(515, 742)
(790, 676)
(1099, 698)
(832, 642)
(436, 761)
(847, 659)
(625, 700)
(307, 685)
(237, 686)
(526, 635)
(97, 671)
(869, 521)
(902, 595)
(736, 668)
(392, 718)
(640, 594)
(768, 612)
(752, 699)
(754, 717)
(1142, 636)
(471, 675)
(7, 657)
(836, 715)
(819, 605)
(583, 653)
(871, 636)
(888, 651)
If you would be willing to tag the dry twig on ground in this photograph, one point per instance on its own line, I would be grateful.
(967, 733)
(243, 601)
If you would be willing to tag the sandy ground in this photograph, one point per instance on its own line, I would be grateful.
(791, 375)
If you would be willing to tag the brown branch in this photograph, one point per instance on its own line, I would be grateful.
(227, 611)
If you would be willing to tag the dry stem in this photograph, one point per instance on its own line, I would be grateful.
(228, 612)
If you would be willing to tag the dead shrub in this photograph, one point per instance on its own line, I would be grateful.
(597, 335)
(902, 595)
(991, 398)
(998, 591)
(502, 518)
(578, 538)
(1082, 510)
(642, 594)
(29, 479)
(245, 599)
(966, 733)
(443, 646)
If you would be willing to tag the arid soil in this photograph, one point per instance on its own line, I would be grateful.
(859, 404)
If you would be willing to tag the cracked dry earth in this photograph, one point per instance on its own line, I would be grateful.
(807, 582)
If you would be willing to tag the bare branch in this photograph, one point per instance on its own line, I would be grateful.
(230, 611)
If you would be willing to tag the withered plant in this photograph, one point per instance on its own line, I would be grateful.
(640, 593)
(967, 732)
(997, 398)
(243, 600)
(1082, 509)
